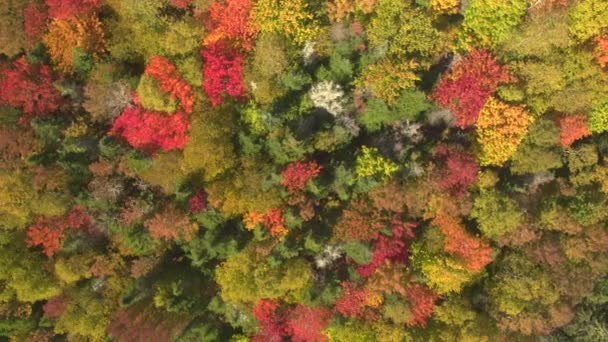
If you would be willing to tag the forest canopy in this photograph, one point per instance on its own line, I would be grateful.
(303, 170)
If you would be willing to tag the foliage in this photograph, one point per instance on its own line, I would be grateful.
(151, 131)
(291, 18)
(573, 127)
(488, 22)
(29, 87)
(496, 214)
(468, 86)
(223, 72)
(231, 21)
(296, 175)
(500, 130)
(371, 164)
(65, 35)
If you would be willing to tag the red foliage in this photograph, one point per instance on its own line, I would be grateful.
(573, 127)
(601, 51)
(305, 324)
(198, 202)
(49, 232)
(183, 4)
(360, 222)
(150, 131)
(231, 21)
(143, 322)
(422, 300)
(65, 9)
(29, 87)
(390, 247)
(460, 170)
(55, 307)
(475, 253)
(35, 17)
(296, 174)
(170, 81)
(272, 219)
(271, 327)
(354, 302)
(223, 72)
(467, 87)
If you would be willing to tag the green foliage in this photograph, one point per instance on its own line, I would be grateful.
(488, 22)
(598, 120)
(244, 279)
(539, 150)
(496, 213)
(588, 19)
(407, 107)
(153, 98)
(404, 30)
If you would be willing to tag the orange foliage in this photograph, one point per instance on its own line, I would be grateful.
(272, 219)
(171, 224)
(573, 127)
(474, 253)
(84, 32)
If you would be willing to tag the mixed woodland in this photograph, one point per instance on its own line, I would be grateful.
(303, 170)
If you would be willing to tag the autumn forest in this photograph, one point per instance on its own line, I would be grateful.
(303, 170)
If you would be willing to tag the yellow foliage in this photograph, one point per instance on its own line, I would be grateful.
(500, 129)
(289, 17)
(84, 32)
(371, 164)
(445, 275)
(445, 6)
(388, 78)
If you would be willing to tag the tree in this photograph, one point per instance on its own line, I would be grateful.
(223, 72)
(500, 130)
(272, 219)
(171, 224)
(371, 164)
(422, 301)
(393, 248)
(67, 9)
(588, 18)
(466, 88)
(389, 78)
(231, 21)
(306, 324)
(49, 232)
(65, 35)
(496, 213)
(35, 18)
(170, 81)
(573, 127)
(489, 22)
(151, 131)
(598, 120)
(29, 87)
(408, 31)
(539, 151)
(295, 176)
(459, 172)
(12, 36)
(291, 18)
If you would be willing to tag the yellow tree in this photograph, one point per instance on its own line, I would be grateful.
(500, 129)
(85, 33)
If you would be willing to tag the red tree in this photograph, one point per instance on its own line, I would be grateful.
(601, 51)
(354, 302)
(305, 324)
(459, 171)
(49, 232)
(231, 21)
(198, 202)
(35, 17)
(296, 174)
(29, 87)
(474, 253)
(422, 300)
(170, 81)
(55, 307)
(272, 219)
(151, 131)
(466, 88)
(271, 327)
(573, 127)
(223, 72)
(64, 9)
(183, 4)
(392, 248)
